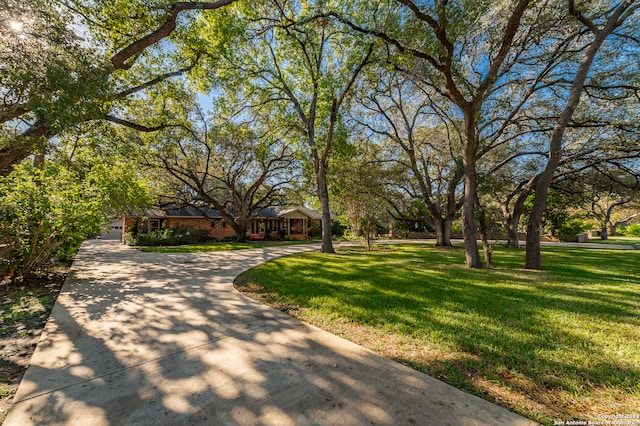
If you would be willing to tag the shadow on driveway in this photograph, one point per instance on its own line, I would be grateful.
(149, 338)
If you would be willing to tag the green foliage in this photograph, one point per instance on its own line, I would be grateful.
(631, 231)
(570, 227)
(48, 212)
(564, 216)
(167, 237)
(44, 212)
(121, 186)
(46, 69)
(337, 228)
(315, 230)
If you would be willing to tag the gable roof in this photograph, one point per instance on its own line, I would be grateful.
(192, 212)
(312, 214)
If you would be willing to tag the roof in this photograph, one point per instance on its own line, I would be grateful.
(191, 212)
(312, 214)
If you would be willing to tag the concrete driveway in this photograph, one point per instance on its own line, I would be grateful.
(145, 338)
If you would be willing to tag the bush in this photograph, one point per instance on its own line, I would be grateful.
(631, 231)
(315, 231)
(570, 228)
(173, 236)
(337, 228)
(44, 213)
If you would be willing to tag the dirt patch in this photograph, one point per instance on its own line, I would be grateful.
(25, 304)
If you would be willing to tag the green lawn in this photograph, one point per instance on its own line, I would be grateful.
(631, 241)
(215, 246)
(553, 345)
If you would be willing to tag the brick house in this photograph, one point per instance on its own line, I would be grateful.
(293, 223)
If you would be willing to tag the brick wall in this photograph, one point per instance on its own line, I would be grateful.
(194, 223)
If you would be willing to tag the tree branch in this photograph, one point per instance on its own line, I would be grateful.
(159, 79)
(120, 59)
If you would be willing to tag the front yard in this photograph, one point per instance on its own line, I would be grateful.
(559, 344)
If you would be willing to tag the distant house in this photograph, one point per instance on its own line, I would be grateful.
(293, 223)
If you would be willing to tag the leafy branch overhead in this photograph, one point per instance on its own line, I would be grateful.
(55, 79)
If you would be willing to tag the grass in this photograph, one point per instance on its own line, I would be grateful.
(24, 307)
(18, 307)
(216, 246)
(559, 344)
(631, 241)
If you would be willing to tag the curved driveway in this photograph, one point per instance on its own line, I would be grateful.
(146, 338)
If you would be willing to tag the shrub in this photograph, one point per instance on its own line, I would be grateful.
(178, 235)
(315, 230)
(337, 228)
(44, 213)
(631, 231)
(570, 228)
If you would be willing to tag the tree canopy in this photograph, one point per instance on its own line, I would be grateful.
(472, 106)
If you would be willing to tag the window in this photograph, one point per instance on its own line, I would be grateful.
(154, 225)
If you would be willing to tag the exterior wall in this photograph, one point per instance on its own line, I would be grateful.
(193, 223)
(218, 231)
(199, 223)
(298, 236)
(259, 226)
(296, 215)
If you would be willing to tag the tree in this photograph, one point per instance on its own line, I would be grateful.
(444, 39)
(55, 77)
(227, 166)
(612, 20)
(50, 210)
(612, 191)
(302, 69)
(360, 186)
(461, 50)
(403, 113)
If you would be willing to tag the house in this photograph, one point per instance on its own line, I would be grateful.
(293, 223)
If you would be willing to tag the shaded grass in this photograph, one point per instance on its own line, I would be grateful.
(552, 345)
(24, 308)
(216, 246)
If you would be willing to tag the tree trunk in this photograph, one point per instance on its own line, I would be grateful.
(488, 253)
(484, 235)
(470, 189)
(533, 255)
(443, 231)
(323, 196)
(511, 229)
(240, 230)
(606, 221)
(512, 220)
(369, 231)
